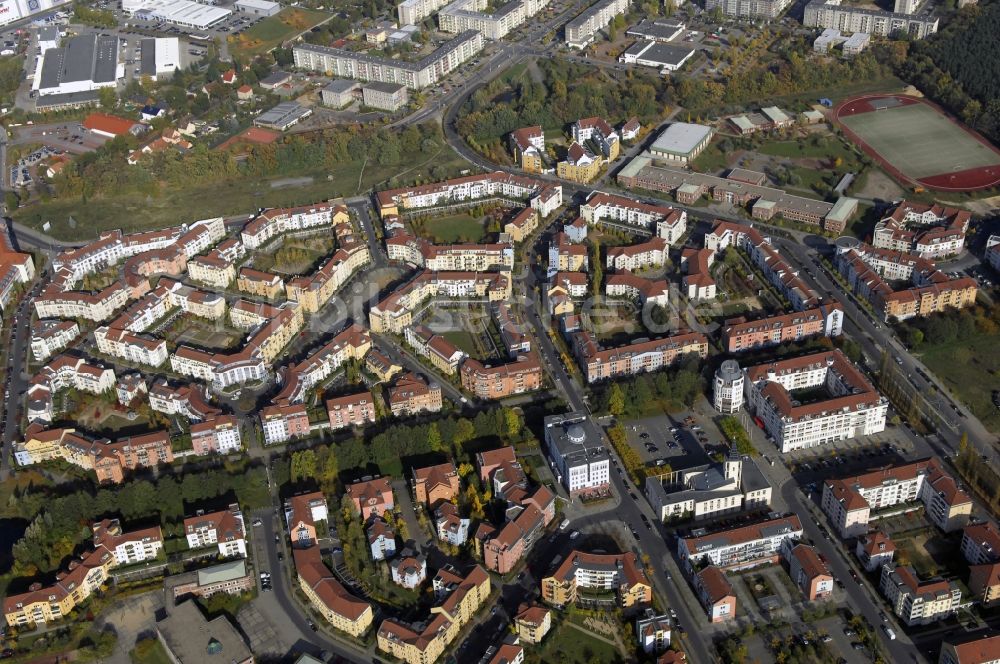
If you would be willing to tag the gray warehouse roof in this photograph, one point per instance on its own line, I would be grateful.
(388, 88)
(341, 86)
(666, 54)
(87, 57)
(147, 64)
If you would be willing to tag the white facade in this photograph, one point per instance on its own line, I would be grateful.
(577, 454)
(581, 30)
(461, 15)
(727, 393)
(49, 342)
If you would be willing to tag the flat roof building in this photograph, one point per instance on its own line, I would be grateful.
(284, 115)
(257, 7)
(681, 142)
(577, 452)
(189, 637)
(86, 63)
(183, 13)
(160, 57)
(668, 57)
(385, 96)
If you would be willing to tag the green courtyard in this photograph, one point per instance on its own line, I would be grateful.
(970, 368)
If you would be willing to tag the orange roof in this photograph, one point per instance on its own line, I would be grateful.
(109, 124)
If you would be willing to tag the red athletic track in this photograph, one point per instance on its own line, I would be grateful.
(972, 179)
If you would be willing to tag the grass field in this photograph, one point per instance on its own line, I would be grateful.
(971, 370)
(209, 336)
(465, 340)
(453, 228)
(919, 141)
(831, 148)
(173, 205)
(272, 31)
(566, 644)
(294, 256)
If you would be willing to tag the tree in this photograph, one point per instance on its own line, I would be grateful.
(11, 201)
(616, 400)
(464, 432)
(434, 438)
(512, 422)
(108, 97)
(303, 465)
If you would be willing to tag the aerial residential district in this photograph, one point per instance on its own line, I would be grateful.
(530, 331)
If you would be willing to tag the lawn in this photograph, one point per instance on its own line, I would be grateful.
(829, 148)
(453, 228)
(207, 335)
(149, 651)
(133, 212)
(970, 368)
(465, 341)
(712, 160)
(295, 255)
(272, 31)
(566, 644)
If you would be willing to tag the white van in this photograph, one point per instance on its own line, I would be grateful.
(888, 632)
(564, 525)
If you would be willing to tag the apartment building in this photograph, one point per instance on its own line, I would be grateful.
(710, 490)
(580, 165)
(61, 373)
(274, 222)
(852, 407)
(435, 484)
(381, 538)
(463, 15)
(502, 549)
(981, 543)
(496, 186)
(427, 71)
(532, 623)
(48, 337)
(602, 208)
(627, 285)
(450, 526)
(353, 343)
(565, 256)
(653, 253)
(697, 280)
(867, 269)
(809, 572)
(409, 569)
(15, 268)
(352, 410)
(284, 422)
(522, 224)
(411, 394)
(259, 283)
(728, 387)
(715, 594)
(993, 252)
(134, 348)
(577, 453)
(339, 608)
(917, 602)
(218, 435)
(599, 364)
(189, 400)
(601, 133)
(972, 649)
(394, 313)
(371, 497)
(449, 258)
(224, 529)
(849, 502)
(741, 547)
(381, 365)
(212, 270)
(749, 9)
(314, 291)
(876, 22)
(524, 374)
(929, 231)
(112, 548)
(581, 30)
(874, 550)
(443, 354)
(99, 306)
(459, 596)
(740, 335)
(412, 12)
(527, 144)
(618, 573)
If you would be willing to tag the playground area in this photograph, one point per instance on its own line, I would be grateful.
(919, 143)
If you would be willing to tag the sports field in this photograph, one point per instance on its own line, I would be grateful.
(916, 140)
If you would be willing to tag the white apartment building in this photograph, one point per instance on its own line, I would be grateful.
(849, 502)
(48, 337)
(224, 529)
(850, 19)
(981, 544)
(219, 435)
(928, 231)
(427, 71)
(653, 253)
(918, 602)
(993, 252)
(90, 306)
(581, 30)
(543, 197)
(135, 348)
(462, 15)
(669, 223)
(275, 222)
(742, 547)
(576, 453)
(749, 9)
(412, 12)
(853, 407)
(128, 548)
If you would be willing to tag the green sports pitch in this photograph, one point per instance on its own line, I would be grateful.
(919, 141)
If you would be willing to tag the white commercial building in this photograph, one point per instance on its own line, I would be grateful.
(183, 13)
(681, 142)
(649, 53)
(160, 57)
(86, 63)
(257, 7)
(851, 408)
(577, 453)
(741, 547)
(15, 10)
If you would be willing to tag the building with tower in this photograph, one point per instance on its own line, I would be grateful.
(578, 456)
(732, 485)
(727, 395)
